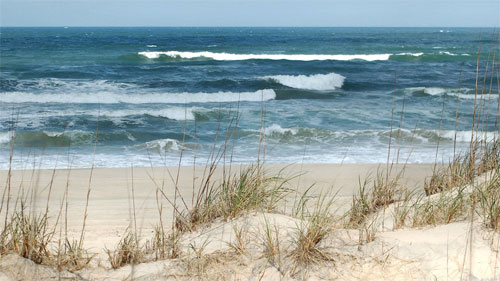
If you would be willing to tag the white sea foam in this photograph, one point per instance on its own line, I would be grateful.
(53, 134)
(447, 53)
(163, 145)
(422, 136)
(461, 93)
(294, 57)
(277, 129)
(329, 81)
(158, 98)
(151, 46)
(410, 54)
(274, 129)
(466, 136)
(174, 113)
(5, 137)
(79, 86)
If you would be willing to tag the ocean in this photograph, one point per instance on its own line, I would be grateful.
(115, 97)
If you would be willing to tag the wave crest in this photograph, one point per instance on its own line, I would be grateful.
(297, 135)
(293, 57)
(111, 98)
(329, 81)
(463, 93)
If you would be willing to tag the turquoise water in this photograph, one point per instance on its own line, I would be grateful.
(150, 93)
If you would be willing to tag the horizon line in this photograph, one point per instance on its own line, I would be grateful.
(247, 26)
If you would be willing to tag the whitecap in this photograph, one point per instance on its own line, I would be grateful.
(329, 81)
(158, 98)
(410, 54)
(6, 137)
(293, 57)
(163, 145)
(447, 53)
(277, 129)
(463, 93)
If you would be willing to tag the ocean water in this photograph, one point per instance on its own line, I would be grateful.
(324, 95)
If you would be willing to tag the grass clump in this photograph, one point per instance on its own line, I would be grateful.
(316, 227)
(128, 251)
(163, 245)
(249, 190)
(241, 240)
(273, 249)
(489, 202)
(71, 256)
(444, 208)
(384, 191)
(28, 236)
(464, 168)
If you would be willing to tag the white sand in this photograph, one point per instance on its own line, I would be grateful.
(409, 254)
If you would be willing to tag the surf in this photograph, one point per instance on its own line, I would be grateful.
(320, 82)
(237, 57)
(135, 98)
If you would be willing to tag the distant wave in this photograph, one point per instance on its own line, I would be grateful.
(71, 85)
(233, 57)
(298, 134)
(463, 93)
(179, 56)
(173, 113)
(329, 81)
(431, 54)
(410, 54)
(274, 133)
(430, 57)
(79, 137)
(47, 138)
(163, 145)
(110, 98)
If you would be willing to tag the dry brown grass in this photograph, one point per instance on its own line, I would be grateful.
(317, 225)
(241, 240)
(273, 248)
(28, 236)
(128, 251)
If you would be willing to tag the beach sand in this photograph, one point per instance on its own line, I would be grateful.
(118, 195)
(110, 206)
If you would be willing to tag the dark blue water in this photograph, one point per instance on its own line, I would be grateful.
(328, 94)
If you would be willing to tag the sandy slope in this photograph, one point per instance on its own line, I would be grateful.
(430, 253)
(111, 205)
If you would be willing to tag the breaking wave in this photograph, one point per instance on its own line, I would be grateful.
(179, 56)
(329, 81)
(233, 57)
(111, 98)
(463, 93)
(405, 136)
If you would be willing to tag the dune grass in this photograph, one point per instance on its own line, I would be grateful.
(128, 251)
(315, 226)
(250, 190)
(385, 190)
